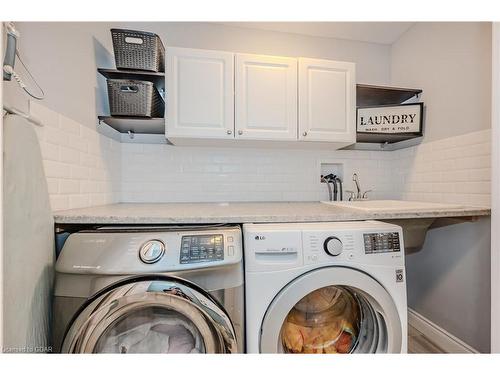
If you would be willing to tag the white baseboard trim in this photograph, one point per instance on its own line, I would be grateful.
(437, 335)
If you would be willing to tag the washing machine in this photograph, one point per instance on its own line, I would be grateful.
(150, 290)
(325, 288)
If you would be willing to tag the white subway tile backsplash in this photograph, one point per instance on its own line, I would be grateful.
(56, 136)
(72, 158)
(69, 155)
(59, 202)
(49, 151)
(56, 169)
(99, 199)
(67, 186)
(209, 174)
(79, 200)
(88, 134)
(88, 160)
(452, 170)
(479, 174)
(81, 173)
(68, 125)
(78, 143)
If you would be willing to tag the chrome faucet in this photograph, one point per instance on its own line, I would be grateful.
(358, 195)
(358, 188)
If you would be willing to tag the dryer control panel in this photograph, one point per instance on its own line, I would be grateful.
(125, 250)
(202, 248)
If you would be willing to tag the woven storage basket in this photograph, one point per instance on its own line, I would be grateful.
(138, 50)
(134, 98)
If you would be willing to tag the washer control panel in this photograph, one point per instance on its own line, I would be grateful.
(282, 246)
(202, 248)
(376, 243)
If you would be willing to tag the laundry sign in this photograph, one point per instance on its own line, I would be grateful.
(392, 119)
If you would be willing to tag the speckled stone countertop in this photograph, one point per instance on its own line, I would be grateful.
(244, 212)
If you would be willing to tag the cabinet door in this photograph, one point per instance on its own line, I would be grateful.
(327, 101)
(266, 97)
(199, 93)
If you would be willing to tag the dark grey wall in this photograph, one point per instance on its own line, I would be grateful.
(451, 62)
(449, 281)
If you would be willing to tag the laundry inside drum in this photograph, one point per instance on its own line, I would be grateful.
(326, 320)
(151, 330)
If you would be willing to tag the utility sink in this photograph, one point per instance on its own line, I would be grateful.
(393, 205)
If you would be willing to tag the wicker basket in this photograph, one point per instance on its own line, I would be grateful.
(138, 50)
(134, 98)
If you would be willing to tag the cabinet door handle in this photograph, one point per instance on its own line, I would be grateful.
(304, 134)
(229, 132)
(240, 132)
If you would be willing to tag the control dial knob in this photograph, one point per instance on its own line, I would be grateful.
(333, 246)
(152, 251)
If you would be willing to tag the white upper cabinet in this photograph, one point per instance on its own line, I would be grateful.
(222, 96)
(327, 101)
(266, 97)
(199, 93)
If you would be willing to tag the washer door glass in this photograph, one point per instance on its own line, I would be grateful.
(332, 310)
(151, 330)
(327, 320)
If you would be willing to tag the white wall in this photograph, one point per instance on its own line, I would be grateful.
(449, 279)
(28, 239)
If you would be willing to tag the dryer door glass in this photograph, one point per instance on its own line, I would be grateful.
(163, 315)
(151, 330)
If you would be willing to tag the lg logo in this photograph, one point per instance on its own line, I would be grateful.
(260, 238)
(399, 276)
